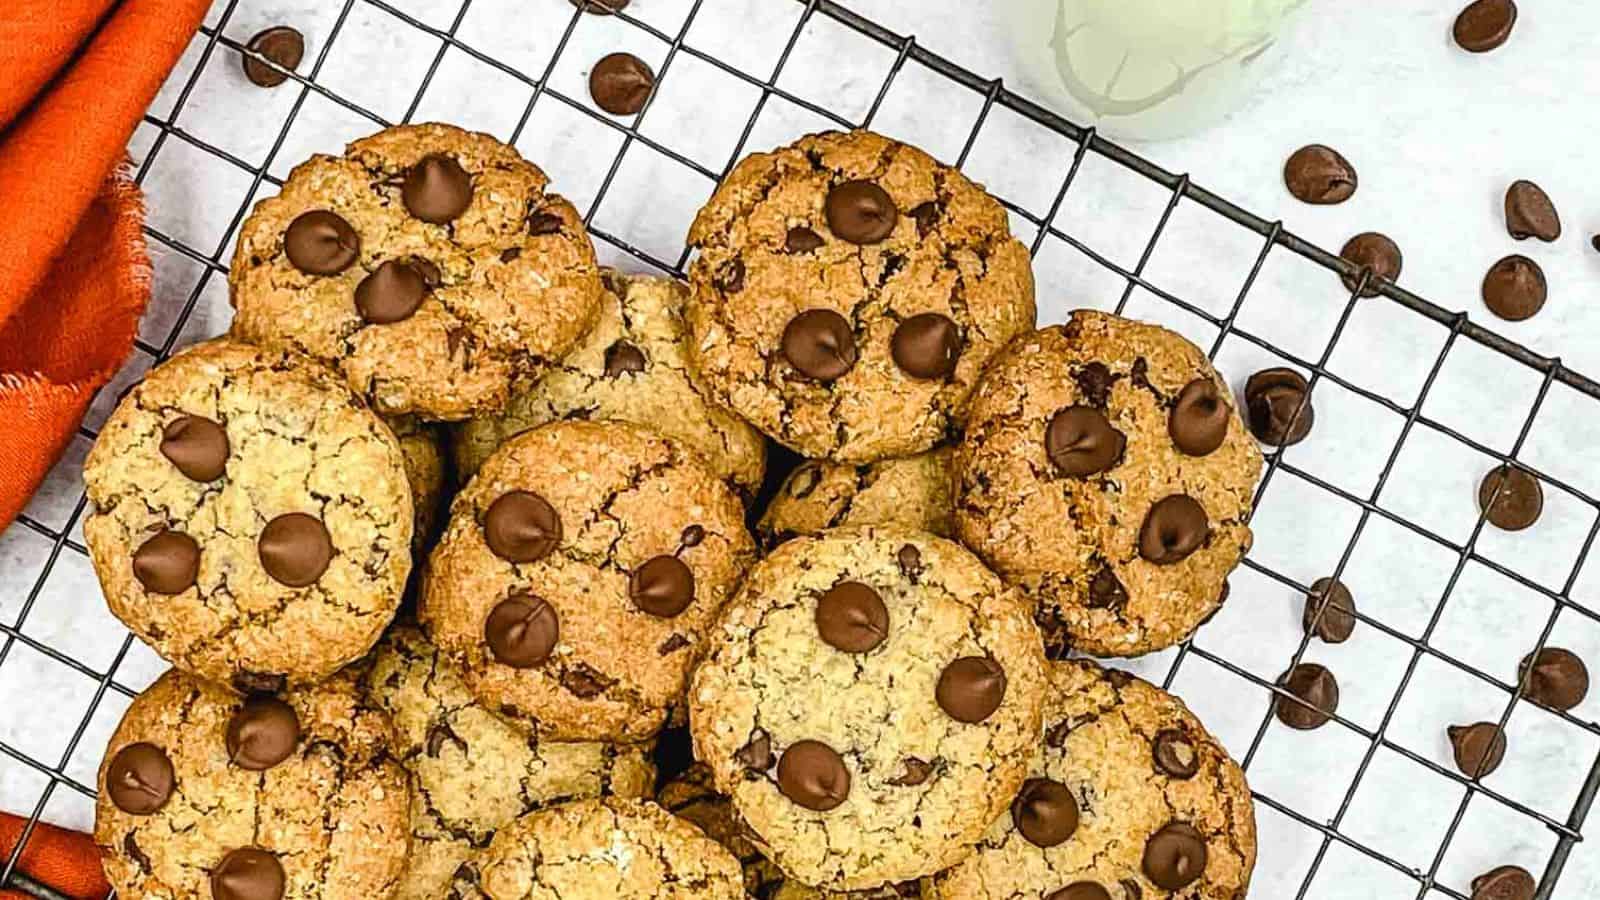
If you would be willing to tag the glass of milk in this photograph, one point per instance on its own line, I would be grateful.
(1147, 69)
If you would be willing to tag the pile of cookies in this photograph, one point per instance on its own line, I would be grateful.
(475, 584)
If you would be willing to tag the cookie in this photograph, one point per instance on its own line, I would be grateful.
(472, 773)
(911, 492)
(422, 451)
(578, 574)
(431, 265)
(1130, 799)
(870, 700)
(210, 796)
(610, 849)
(252, 520)
(630, 368)
(847, 292)
(1105, 473)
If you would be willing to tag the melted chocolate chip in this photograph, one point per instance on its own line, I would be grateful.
(801, 240)
(730, 280)
(1175, 527)
(437, 189)
(1175, 755)
(1080, 890)
(926, 215)
(913, 772)
(1095, 381)
(909, 559)
(623, 358)
(757, 753)
(248, 873)
(1175, 856)
(1106, 590)
(392, 293)
(1199, 420)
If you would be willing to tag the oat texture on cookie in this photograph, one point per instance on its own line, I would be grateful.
(1105, 472)
(910, 491)
(847, 291)
(1129, 799)
(251, 518)
(206, 795)
(631, 367)
(866, 685)
(431, 265)
(578, 574)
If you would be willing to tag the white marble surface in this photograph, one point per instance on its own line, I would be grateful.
(1436, 136)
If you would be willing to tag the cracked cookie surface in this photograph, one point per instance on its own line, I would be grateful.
(910, 492)
(331, 813)
(629, 368)
(609, 849)
(1134, 761)
(924, 727)
(1071, 484)
(914, 265)
(184, 543)
(578, 574)
(472, 773)
(436, 269)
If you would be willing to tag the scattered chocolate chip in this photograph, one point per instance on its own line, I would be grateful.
(295, 549)
(259, 683)
(196, 446)
(1485, 25)
(600, 7)
(1056, 735)
(1319, 174)
(1280, 411)
(860, 212)
(1478, 748)
(139, 857)
(1080, 441)
(167, 563)
(813, 775)
(437, 189)
(1106, 590)
(820, 345)
(1199, 420)
(662, 587)
(391, 293)
(139, 779)
(1515, 288)
(522, 630)
(1330, 611)
(320, 242)
(1519, 501)
(262, 733)
(1175, 754)
(441, 734)
(1318, 693)
(730, 279)
(1095, 381)
(541, 224)
(1529, 212)
(623, 358)
(1045, 812)
(801, 240)
(521, 527)
(248, 873)
(1175, 856)
(909, 558)
(584, 682)
(926, 346)
(926, 215)
(851, 617)
(672, 644)
(971, 688)
(510, 254)
(1556, 678)
(1080, 890)
(282, 46)
(757, 753)
(1132, 889)
(1175, 527)
(620, 83)
(1504, 883)
(913, 772)
(1373, 252)
(692, 536)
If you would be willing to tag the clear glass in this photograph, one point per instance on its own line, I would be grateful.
(1147, 69)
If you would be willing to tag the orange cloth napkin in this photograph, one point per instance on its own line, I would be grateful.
(65, 860)
(74, 275)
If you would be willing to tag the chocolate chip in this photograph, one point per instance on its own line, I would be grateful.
(1330, 611)
(620, 83)
(1478, 748)
(259, 682)
(851, 617)
(730, 280)
(167, 563)
(139, 779)
(441, 734)
(662, 587)
(1045, 812)
(1106, 590)
(820, 345)
(1175, 527)
(391, 293)
(521, 527)
(1485, 25)
(1515, 288)
(1504, 883)
(813, 775)
(1556, 678)
(1095, 381)
(801, 240)
(1132, 889)
(1057, 734)
(860, 212)
(926, 346)
(196, 446)
(672, 644)
(522, 630)
(692, 536)
(437, 190)
(541, 224)
(1080, 441)
(1318, 174)
(320, 242)
(1280, 411)
(1080, 890)
(1519, 500)
(584, 682)
(1175, 754)
(248, 873)
(909, 558)
(600, 7)
(1318, 693)
(139, 857)
(1199, 420)
(295, 549)
(1175, 856)
(756, 753)
(1529, 212)
(1373, 252)
(623, 358)
(971, 688)
(926, 215)
(510, 254)
(913, 772)
(262, 734)
(283, 46)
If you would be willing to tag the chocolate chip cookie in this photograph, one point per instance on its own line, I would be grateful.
(1106, 473)
(431, 265)
(1130, 799)
(252, 520)
(609, 849)
(205, 795)
(848, 290)
(472, 773)
(630, 368)
(910, 491)
(578, 574)
(422, 451)
(870, 701)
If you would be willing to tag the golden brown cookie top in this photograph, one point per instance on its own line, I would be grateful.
(910, 491)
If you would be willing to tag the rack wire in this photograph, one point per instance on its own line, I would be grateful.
(217, 48)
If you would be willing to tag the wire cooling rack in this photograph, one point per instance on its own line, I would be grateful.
(1316, 833)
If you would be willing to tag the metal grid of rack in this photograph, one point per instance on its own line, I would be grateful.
(216, 48)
